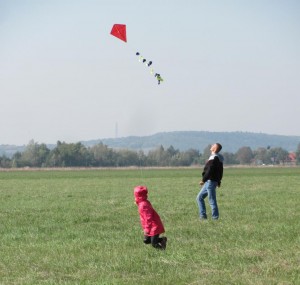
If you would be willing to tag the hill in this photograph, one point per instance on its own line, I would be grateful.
(9, 150)
(184, 140)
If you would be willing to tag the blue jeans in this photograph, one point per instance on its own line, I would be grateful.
(208, 189)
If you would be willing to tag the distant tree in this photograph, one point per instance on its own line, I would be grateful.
(34, 155)
(171, 151)
(5, 162)
(298, 154)
(17, 160)
(278, 155)
(76, 154)
(205, 155)
(261, 156)
(67, 155)
(102, 155)
(172, 157)
(229, 158)
(142, 158)
(127, 158)
(244, 155)
(158, 157)
(191, 156)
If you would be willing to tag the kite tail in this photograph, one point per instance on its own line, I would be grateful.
(148, 64)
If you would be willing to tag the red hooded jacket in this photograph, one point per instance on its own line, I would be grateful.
(150, 220)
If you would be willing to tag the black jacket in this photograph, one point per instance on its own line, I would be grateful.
(213, 169)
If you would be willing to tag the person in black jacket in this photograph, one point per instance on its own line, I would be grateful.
(211, 179)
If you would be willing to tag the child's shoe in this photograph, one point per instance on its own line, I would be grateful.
(164, 243)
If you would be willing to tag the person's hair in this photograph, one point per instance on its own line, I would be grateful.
(219, 147)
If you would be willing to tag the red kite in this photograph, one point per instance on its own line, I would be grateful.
(119, 31)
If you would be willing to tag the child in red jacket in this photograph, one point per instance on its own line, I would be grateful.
(150, 220)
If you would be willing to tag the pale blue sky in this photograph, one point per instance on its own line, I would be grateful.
(227, 65)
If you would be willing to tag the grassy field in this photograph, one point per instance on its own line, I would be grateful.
(82, 227)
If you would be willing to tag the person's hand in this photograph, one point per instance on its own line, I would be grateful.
(201, 183)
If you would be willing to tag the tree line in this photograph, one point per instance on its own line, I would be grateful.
(100, 155)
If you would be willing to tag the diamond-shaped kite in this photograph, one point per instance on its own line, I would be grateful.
(119, 31)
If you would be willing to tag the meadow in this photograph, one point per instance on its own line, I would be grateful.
(82, 227)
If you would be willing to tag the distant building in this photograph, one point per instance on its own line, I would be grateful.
(292, 158)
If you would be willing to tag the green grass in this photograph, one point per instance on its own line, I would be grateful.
(82, 227)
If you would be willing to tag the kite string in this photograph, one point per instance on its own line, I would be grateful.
(141, 167)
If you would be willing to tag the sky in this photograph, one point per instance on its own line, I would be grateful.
(227, 65)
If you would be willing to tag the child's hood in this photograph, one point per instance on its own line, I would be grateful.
(140, 193)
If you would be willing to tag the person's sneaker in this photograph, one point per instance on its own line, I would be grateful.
(164, 242)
